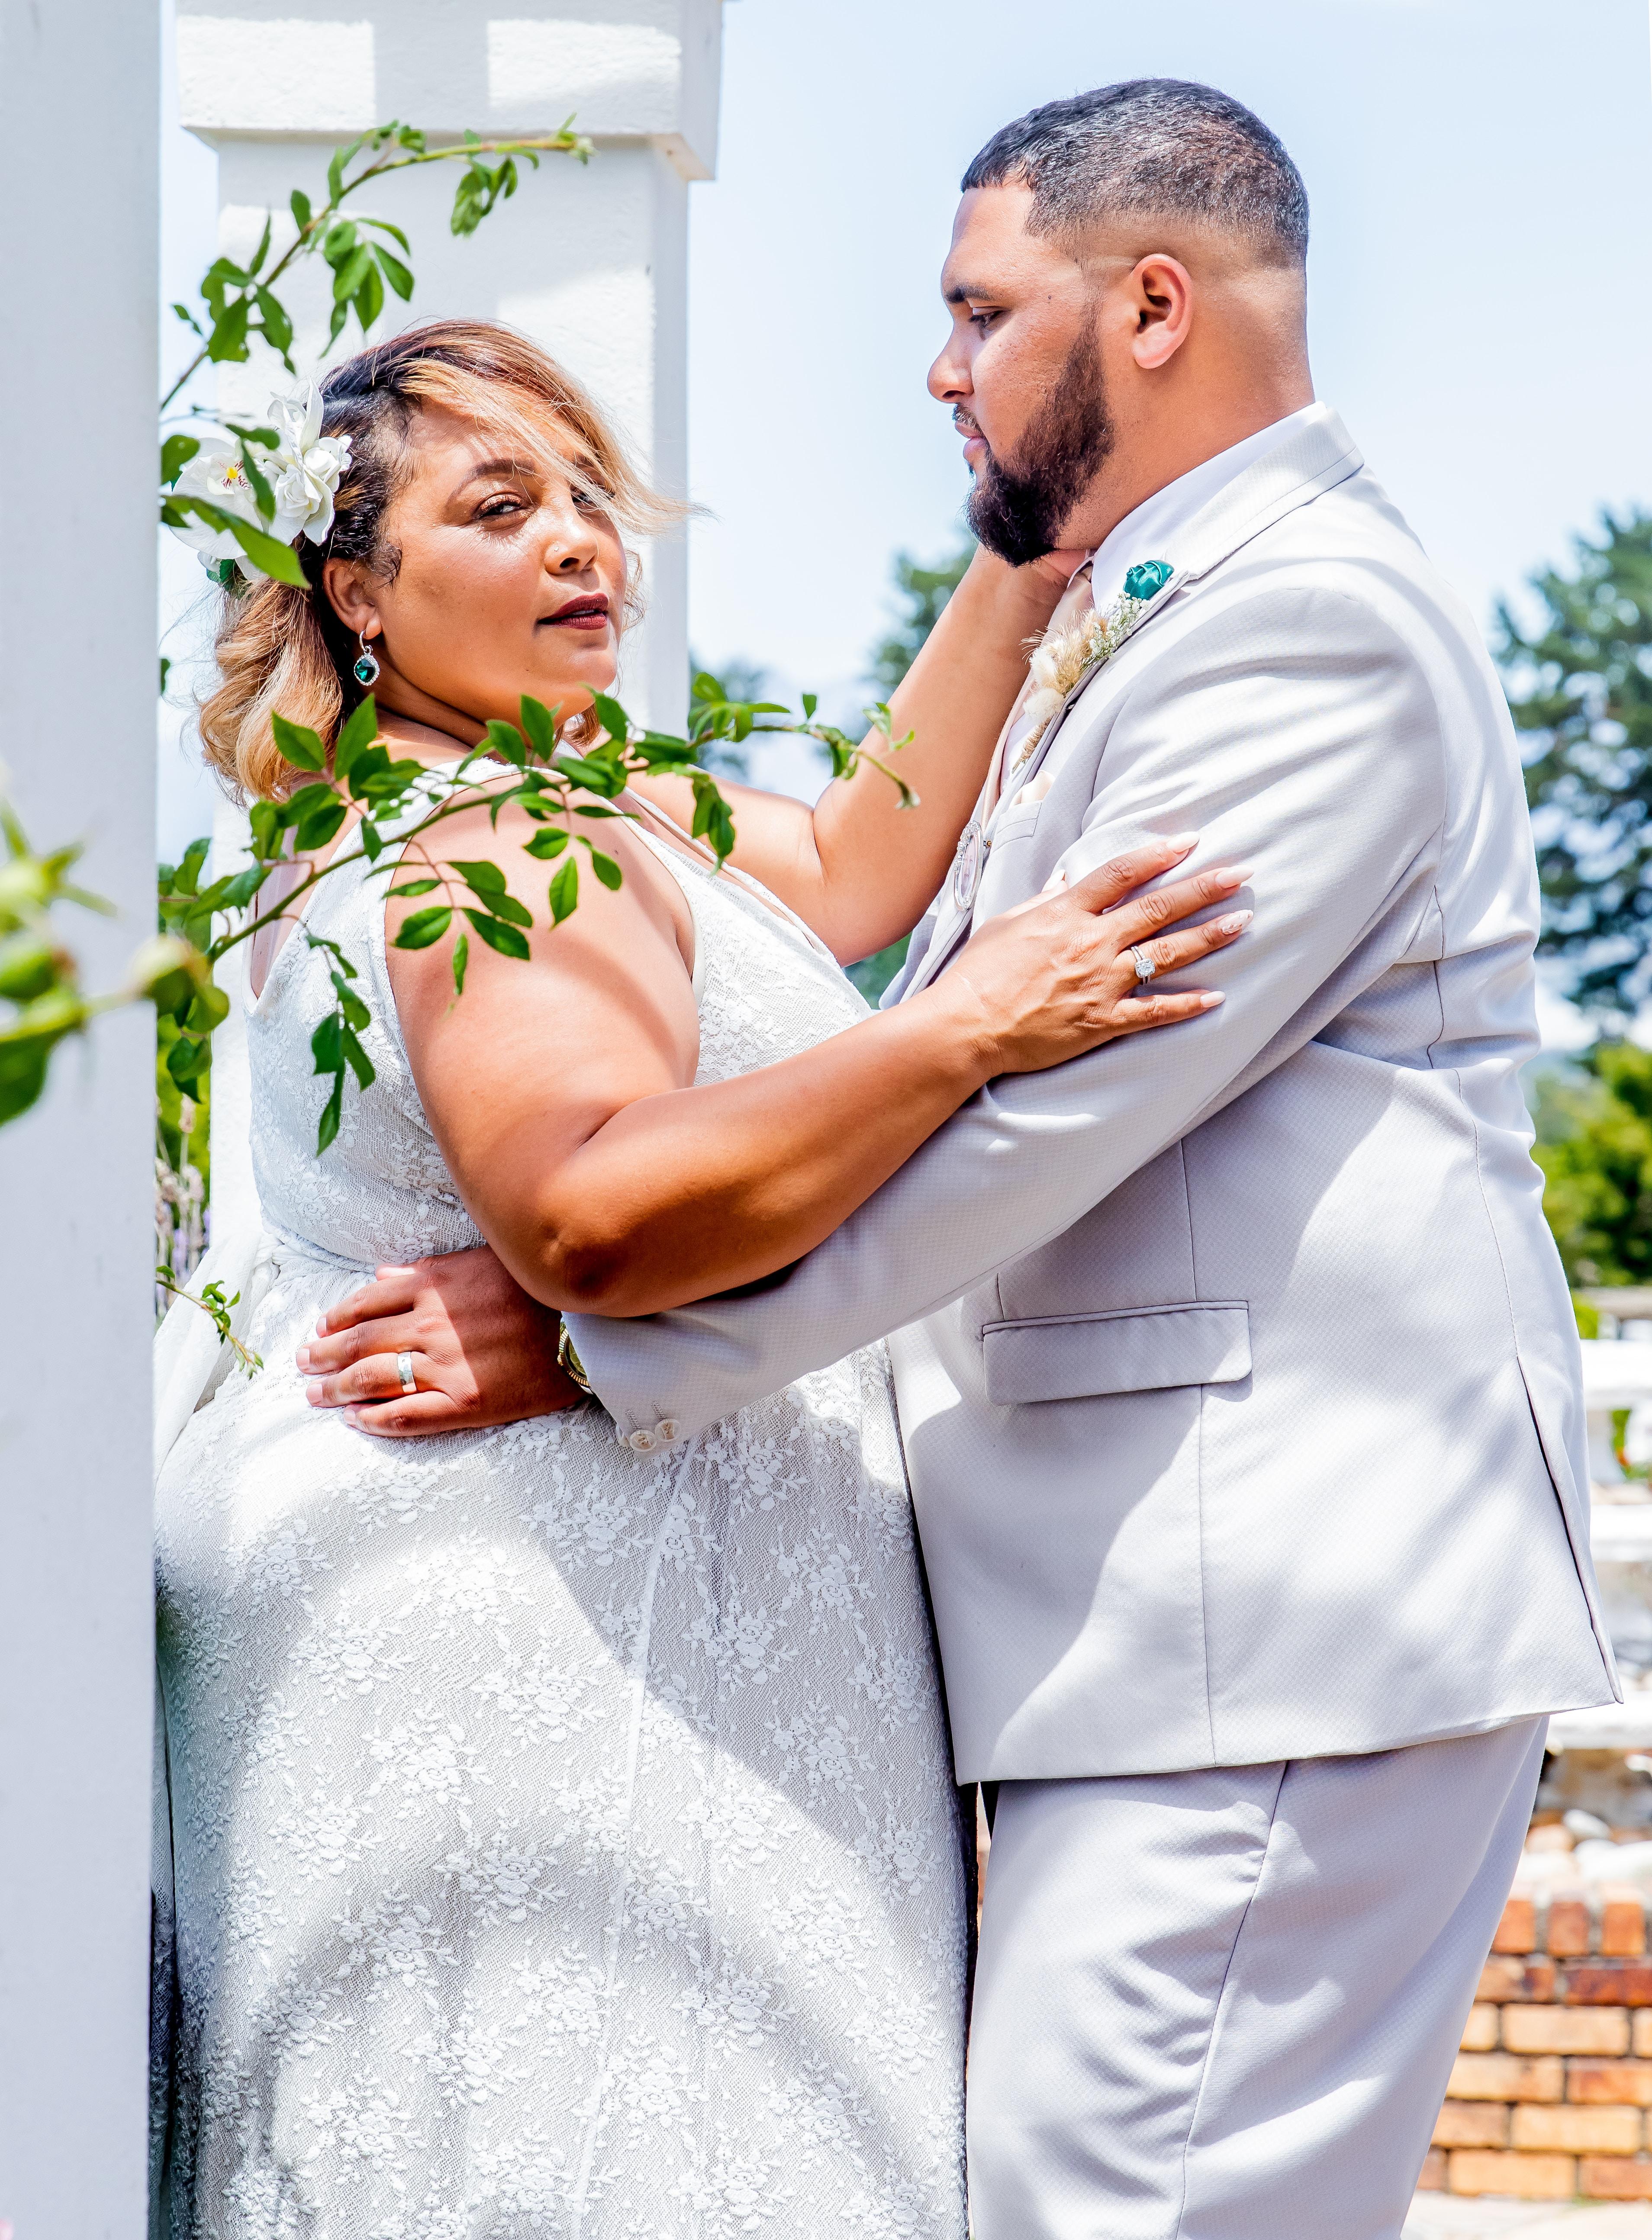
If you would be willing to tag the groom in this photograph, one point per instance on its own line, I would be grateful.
(1236, 1369)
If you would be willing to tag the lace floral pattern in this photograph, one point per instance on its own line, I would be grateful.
(562, 1839)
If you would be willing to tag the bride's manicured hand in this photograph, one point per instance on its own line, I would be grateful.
(482, 1352)
(1054, 978)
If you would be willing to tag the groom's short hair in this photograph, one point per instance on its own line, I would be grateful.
(1153, 147)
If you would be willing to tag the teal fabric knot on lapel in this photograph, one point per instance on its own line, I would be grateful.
(1147, 578)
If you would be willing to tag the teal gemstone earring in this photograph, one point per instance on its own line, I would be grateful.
(367, 666)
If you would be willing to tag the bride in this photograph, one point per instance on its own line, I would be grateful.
(559, 1833)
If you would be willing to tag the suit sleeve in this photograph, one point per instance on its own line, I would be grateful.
(1297, 732)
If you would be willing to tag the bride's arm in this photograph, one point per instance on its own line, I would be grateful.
(561, 1090)
(858, 868)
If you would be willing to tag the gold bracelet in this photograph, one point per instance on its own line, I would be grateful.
(570, 1365)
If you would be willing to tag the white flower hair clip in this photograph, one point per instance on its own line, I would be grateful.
(301, 473)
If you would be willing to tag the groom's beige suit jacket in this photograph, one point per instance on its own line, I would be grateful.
(1237, 1371)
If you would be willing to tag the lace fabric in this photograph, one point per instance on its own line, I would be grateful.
(562, 1840)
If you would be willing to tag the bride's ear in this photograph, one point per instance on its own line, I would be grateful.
(346, 584)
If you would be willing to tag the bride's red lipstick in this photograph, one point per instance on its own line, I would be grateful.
(587, 613)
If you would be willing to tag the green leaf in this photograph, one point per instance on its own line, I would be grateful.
(237, 893)
(612, 717)
(383, 224)
(298, 744)
(424, 927)
(712, 821)
(369, 295)
(176, 453)
(483, 877)
(352, 272)
(563, 891)
(325, 1043)
(318, 829)
(395, 272)
(227, 344)
(372, 842)
(335, 324)
(360, 731)
(298, 203)
(601, 777)
(356, 1059)
(505, 740)
(166, 667)
(539, 722)
(260, 253)
(413, 887)
(332, 1113)
(256, 474)
(266, 552)
(811, 700)
(355, 1012)
(546, 846)
(606, 869)
(340, 242)
(276, 325)
(460, 959)
(209, 1008)
(268, 824)
(188, 1059)
(497, 934)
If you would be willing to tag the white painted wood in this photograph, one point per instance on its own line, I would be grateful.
(78, 107)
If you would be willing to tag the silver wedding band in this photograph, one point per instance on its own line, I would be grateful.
(1145, 968)
(404, 1371)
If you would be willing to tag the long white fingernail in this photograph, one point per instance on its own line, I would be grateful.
(1236, 921)
(1182, 840)
(1209, 1001)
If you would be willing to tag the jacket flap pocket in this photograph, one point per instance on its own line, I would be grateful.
(1139, 1349)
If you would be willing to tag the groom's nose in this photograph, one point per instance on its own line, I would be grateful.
(950, 382)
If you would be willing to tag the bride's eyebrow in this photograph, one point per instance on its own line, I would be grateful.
(505, 466)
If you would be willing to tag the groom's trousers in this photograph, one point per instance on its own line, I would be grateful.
(1224, 2005)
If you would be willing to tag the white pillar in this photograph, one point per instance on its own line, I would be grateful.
(78, 690)
(590, 261)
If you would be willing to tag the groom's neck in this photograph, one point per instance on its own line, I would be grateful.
(1179, 434)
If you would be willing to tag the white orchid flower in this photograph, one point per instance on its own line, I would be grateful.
(306, 467)
(217, 472)
(303, 472)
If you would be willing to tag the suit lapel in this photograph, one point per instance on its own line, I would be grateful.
(1318, 455)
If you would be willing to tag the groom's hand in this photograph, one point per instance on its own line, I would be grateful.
(481, 1350)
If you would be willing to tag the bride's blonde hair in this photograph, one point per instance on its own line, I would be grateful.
(283, 650)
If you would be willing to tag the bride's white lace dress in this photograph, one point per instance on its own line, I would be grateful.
(562, 1838)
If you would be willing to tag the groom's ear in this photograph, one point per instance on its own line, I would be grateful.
(1159, 292)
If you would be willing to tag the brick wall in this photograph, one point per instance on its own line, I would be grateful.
(1551, 2093)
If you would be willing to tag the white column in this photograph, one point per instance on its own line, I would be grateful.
(77, 691)
(591, 262)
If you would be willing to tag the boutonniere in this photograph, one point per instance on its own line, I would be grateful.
(1062, 660)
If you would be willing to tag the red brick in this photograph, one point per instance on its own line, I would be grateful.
(1609, 2084)
(1505, 2076)
(1569, 1926)
(1480, 2031)
(1622, 1921)
(1616, 1983)
(1575, 2131)
(1615, 2177)
(1566, 2029)
(1518, 1930)
(1476, 2124)
(1529, 2177)
(1644, 2034)
(1433, 2177)
(1528, 1980)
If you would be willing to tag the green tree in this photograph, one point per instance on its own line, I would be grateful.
(1580, 686)
(925, 591)
(1593, 1125)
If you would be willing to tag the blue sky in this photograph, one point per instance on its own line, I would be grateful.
(1480, 274)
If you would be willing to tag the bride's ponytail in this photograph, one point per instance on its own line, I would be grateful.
(281, 649)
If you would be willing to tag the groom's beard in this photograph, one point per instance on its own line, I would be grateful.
(1018, 508)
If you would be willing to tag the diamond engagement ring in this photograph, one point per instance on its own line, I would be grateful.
(1145, 968)
(404, 1371)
